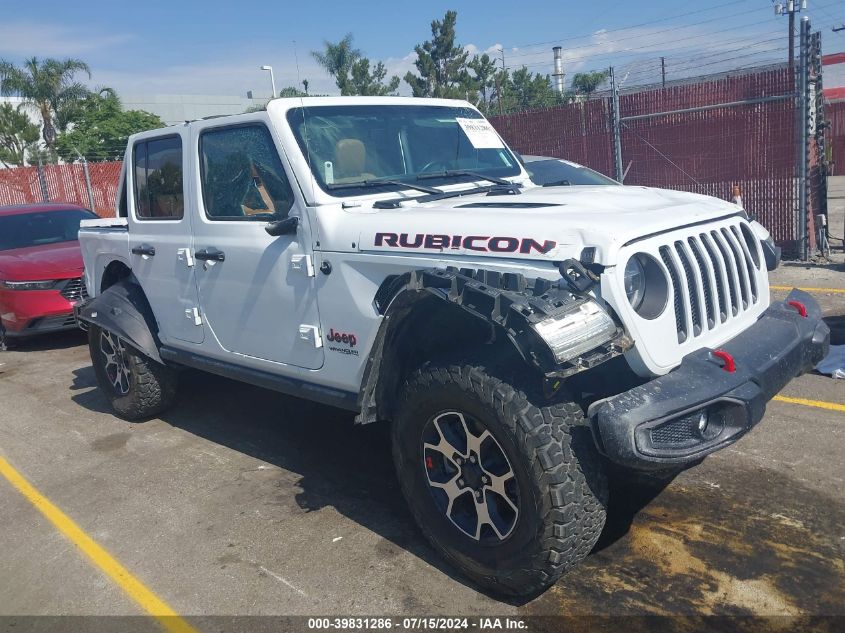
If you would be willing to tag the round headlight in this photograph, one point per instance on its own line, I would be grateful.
(635, 281)
(646, 286)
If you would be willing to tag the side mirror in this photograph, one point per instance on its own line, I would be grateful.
(282, 227)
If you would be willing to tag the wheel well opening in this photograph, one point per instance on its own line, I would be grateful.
(114, 272)
(427, 330)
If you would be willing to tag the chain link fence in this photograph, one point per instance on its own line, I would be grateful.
(63, 183)
(753, 128)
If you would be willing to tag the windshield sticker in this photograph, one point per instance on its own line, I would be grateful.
(480, 133)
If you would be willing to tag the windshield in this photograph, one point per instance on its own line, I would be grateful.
(360, 144)
(35, 229)
(554, 171)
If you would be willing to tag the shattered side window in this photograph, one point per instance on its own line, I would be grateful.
(242, 174)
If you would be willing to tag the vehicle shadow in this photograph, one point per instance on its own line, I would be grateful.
(630, 493)
(49, 341)
(836, 323)
(340, 465)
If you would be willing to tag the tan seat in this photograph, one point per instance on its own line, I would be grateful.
(350, 159)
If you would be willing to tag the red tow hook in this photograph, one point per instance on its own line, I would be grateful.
(802, 309)
(729, 365)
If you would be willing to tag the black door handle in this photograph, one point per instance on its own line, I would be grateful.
(210, 254)
(144, 249)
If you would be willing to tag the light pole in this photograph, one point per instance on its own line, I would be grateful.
(272, 80)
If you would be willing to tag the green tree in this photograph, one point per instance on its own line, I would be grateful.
(364, 82)
(101, 128)
(522, 90)
(441, 63)
(529, 91)
(484, 79)
(49, 85)
(337, 59)
(18, 135)
(351, 70)
(292, 91)
(587, 83)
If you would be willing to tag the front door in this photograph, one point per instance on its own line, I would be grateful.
(256, 291)
(160, 236)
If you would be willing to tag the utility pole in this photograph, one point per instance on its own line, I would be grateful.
(87, 180)
(803, 139)
(617, 127)
(663, 70)
(500, 88)
(791, 8)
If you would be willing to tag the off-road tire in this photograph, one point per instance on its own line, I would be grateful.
(152, 386)
(562, 484)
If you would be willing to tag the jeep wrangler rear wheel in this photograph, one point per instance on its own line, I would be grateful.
(137, 386)
(509, 491)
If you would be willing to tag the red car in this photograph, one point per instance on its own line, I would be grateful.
(40, 268)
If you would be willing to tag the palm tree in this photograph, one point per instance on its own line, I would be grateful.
(48, 85)
(588, 83)
(337, 58)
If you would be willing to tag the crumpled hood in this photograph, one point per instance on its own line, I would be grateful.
(51, 261)
(550, 223)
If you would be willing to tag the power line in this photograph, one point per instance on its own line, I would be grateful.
(639, 35)
(656, 46)
(626, 28)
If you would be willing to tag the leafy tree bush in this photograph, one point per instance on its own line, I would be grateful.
(18, 135)
(50, 86)
(101, 127)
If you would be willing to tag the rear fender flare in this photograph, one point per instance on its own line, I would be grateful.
(123, 309)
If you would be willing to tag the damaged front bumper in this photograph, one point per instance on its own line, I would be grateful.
(701, 406)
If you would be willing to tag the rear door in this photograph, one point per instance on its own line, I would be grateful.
(257, 291)
(160, 234)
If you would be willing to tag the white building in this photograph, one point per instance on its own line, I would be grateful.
(180, 108)
(173, 108)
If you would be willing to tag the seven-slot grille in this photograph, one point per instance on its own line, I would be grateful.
(714, 276)
(74, 290)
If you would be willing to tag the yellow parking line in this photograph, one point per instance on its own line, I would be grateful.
(820, 404)
(133, 587)
(842, 290)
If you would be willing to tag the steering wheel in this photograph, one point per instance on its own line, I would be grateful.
(429, 166)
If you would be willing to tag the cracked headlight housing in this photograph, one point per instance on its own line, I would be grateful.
(576, 332)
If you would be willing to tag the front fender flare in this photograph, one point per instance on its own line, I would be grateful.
(123, 309)
(508, 303)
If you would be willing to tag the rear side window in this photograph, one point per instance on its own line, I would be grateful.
(242, 175)
(159, 192)
(121, 205)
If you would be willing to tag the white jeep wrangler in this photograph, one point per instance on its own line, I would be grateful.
(390, 256)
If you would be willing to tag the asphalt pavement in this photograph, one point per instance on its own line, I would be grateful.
(244, 501)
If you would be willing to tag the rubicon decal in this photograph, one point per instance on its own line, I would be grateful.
(342, 342)
(480, 243)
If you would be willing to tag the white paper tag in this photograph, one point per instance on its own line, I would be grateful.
(480, 133)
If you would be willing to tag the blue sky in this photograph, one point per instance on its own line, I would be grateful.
(208, 47)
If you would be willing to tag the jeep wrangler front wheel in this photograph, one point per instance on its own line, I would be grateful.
(137, 386)
(509, 491)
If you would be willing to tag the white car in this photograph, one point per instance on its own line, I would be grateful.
(391, 256)
(547, 171)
